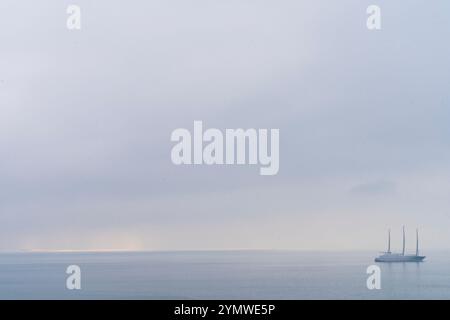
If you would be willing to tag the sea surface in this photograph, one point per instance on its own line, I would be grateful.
(220, 275)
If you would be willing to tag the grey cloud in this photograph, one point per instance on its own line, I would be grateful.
(379, 187)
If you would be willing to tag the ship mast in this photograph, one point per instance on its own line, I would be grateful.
(389, 241)
(417, 242)
(403, 252)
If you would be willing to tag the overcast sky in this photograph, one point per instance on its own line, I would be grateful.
(86, 118)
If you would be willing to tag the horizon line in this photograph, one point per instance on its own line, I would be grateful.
(118, 250)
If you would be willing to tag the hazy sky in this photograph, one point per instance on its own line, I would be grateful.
(86, 118)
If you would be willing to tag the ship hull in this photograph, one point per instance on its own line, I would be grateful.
(399, 258)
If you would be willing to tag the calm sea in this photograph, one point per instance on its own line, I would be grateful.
(220, 275)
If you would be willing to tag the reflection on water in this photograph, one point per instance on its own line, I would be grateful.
(221, 275)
